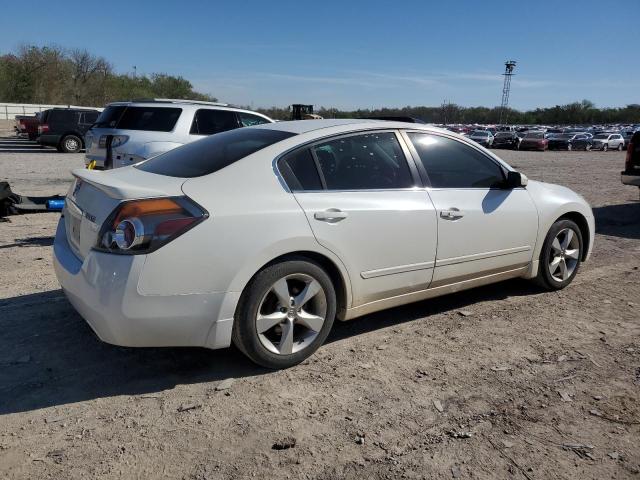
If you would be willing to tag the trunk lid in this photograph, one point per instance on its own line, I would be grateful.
(95, 194)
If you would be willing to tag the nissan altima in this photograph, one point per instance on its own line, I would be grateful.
(262, 236)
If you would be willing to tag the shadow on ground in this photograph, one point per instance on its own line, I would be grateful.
(30, 242)
(49, 356)
(618, 220)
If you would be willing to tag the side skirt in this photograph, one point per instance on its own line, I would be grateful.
(433, 292)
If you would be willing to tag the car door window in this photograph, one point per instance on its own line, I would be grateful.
(248, 119)
(363, 162)
(452, 164)
(299, 171)
(208, 122)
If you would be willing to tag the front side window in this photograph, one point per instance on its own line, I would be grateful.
(151, 119)
(248, 119)
(452, 164)
(363, 162)
(208, 122)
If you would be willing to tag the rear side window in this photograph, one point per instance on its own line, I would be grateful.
(248, 119)
(452, 164)
(62, 116)
(364, 162)
(213, 153)
(208, 122)
(90, 117)
(153, 119)
(299, 171)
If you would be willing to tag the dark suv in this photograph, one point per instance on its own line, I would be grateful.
(64, 128)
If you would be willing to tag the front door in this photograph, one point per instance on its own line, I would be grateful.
(483, 228)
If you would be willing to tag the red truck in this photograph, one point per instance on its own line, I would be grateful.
(27, 126)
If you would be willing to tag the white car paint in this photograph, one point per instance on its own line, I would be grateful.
(393, 247)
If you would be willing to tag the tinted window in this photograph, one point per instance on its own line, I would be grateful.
(208, 122)
(213, 153)
(452, 164)
(247, 119)
(534, 135)
(110, 116)
(62, 116)
(370, 161)
(90, 117)
(153, 119)
(299, 171)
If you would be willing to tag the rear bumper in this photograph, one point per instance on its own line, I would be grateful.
(104, 290)
(628, 178)
(50, 140)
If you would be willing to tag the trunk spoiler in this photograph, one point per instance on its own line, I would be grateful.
(115, 187)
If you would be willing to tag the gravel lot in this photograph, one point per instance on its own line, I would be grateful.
(527, 385)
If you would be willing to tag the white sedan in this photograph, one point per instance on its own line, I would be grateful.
(264, 235)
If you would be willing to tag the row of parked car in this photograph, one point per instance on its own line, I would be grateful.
(128, 132)
(546, 140)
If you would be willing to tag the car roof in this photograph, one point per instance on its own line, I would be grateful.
(348, 124)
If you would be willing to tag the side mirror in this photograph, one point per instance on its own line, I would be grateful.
(516, 179)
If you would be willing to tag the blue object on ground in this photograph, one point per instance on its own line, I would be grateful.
(55, 204)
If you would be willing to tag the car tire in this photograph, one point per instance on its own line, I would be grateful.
(620, 147)
(605, 147)
(569, 148)
(587, 148)
(275, 335)
(561, 255)
(70, 144)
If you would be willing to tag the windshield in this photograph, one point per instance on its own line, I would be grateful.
(602, 136)
(564, 136)
(534, 135)
(212, 153)
(479, 133)
(504, 135)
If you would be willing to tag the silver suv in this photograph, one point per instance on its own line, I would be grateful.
(608, 141)
(129, 132)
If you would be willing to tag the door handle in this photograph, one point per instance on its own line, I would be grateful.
(451, 214)
(331, 215)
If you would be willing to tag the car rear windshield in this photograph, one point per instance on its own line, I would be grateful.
(110, 116)
(602, 135)
(504, 135)
(534, 135)
(151, 119)
(564, 136)
(213, 153)
(480, 133)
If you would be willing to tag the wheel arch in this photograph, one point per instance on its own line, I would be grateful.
(75, 134)
(339, 277)
(583, 225)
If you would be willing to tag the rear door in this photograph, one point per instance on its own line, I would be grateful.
(360, 197)
(483, 228)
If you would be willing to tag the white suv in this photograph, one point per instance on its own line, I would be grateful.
(129, 132)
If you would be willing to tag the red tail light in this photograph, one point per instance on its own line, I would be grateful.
(142, 226)
(627, 160)
(43, 128)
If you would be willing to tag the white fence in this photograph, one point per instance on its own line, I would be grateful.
(8, 111)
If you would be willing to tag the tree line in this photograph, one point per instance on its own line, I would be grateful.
(577, 113)
(54, 75)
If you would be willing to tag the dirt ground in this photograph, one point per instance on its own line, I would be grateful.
(504, 381)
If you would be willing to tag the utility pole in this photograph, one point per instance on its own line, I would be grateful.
(509, 66)
(135, 72)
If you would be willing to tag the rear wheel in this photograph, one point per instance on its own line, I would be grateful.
(70, 144)
(620, 147)
(561, 255)
(605, 147)
(587, 147)
(569, 147)
(285, 313)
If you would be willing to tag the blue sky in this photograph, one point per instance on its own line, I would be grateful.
(350, 54)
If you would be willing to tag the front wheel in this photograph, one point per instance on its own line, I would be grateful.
(620, 147)
(569, 147)
(587, 148)
(561, 255)
(285, 313)
(605, 147)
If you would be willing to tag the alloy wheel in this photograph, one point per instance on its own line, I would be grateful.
(291, 314)
(71, 144)
(565, 254)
